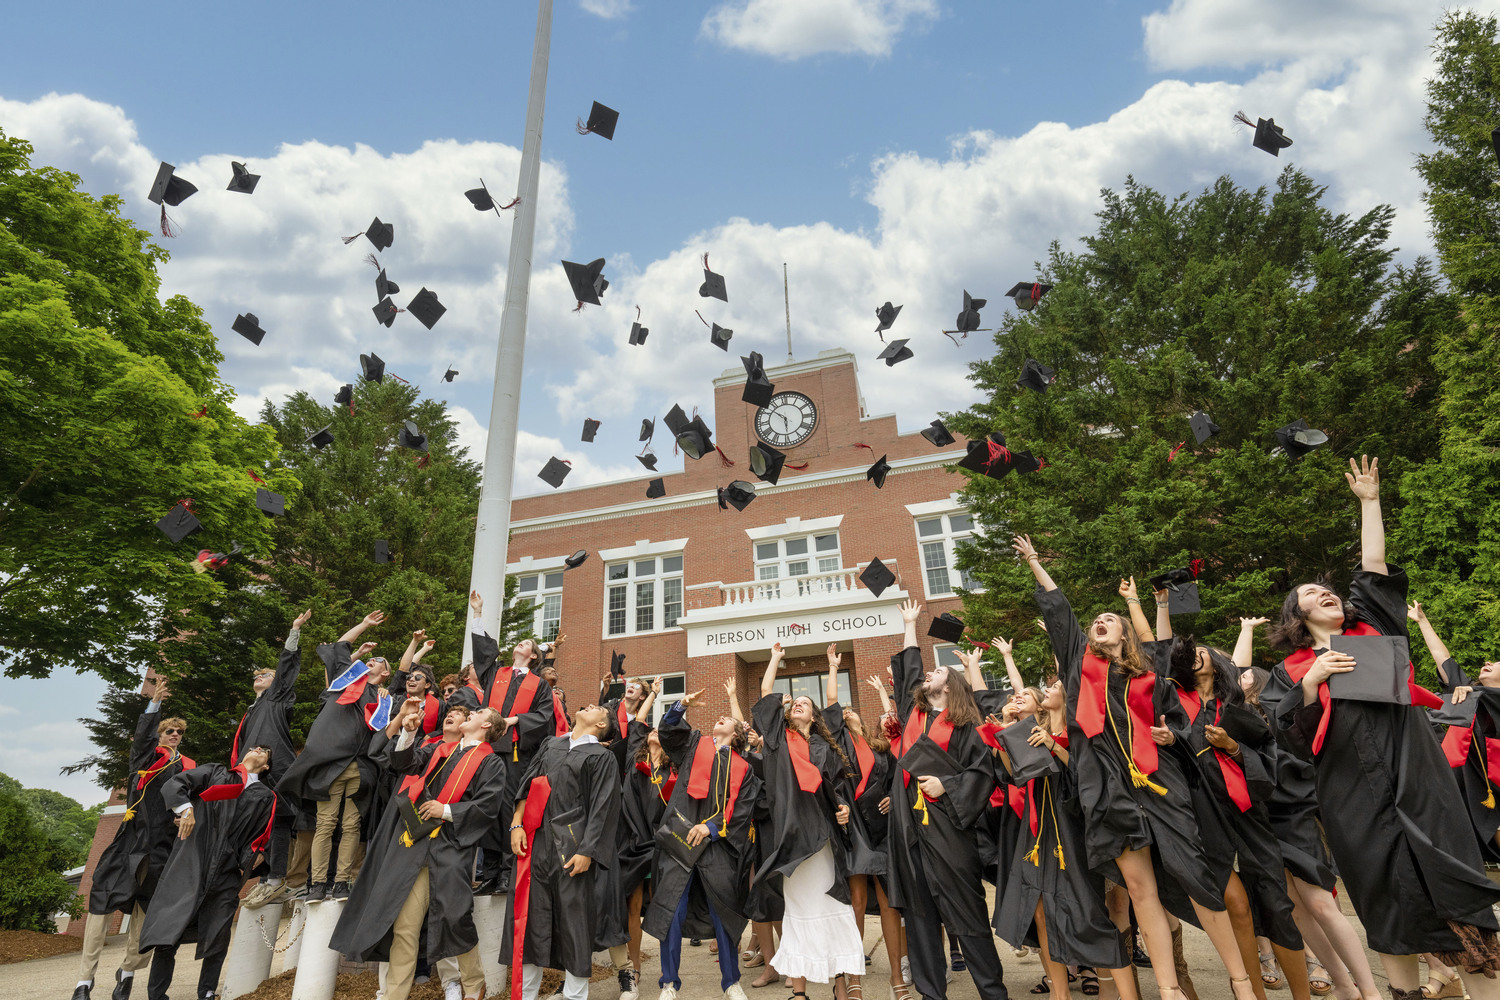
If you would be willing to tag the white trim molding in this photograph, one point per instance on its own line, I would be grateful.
(643, 548)
(795, 525)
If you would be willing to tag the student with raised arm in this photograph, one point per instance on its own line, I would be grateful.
(1133, 784)
(649, 781)
(764, 904)
(1414, 873)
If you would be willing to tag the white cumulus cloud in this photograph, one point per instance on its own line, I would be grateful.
(796, 29)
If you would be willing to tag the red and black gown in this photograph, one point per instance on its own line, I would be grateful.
(1473, 752)
(338, 736)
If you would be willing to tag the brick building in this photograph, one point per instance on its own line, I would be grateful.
(699, 594)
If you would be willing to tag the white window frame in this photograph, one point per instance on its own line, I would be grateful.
(943, 511)
(540, 570)
(674, 686)
(945, 654)
(815, 686)
(788, 565)
(643, 569)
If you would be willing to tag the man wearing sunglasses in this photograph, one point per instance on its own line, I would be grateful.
(126, 876)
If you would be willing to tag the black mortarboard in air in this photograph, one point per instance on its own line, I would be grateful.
(577, 559)
(1028, 293)
(411, 436)
(719, 337)
(938, 435)
(382, 234)
(322, 438)
(1035, 375)
(271, 504)
(1297, 439)
(385, 287)
(616, 664)
(693, 436)
(896, 351)
(977, 458)
(946, 627)
(586, 280)
(1026, 761)
(385, 311)
(648, 429)
(885, 316)
(878, 471)
(766, 462)
(382, 550)
(1203, 426)
(483, 201)
(968, 319)
(243, 180)
(590, 428)
(344, 396)
(656, 488)
(601, 121)
(758, 388)
(1268, 135)
(1181, 585)
(648, 459)
(1381, 669)
(1023, 463)
(876, 577)
(713, 286)
(168, 188)
(372, 367)
(737, 494)
(449, 374)
(637, 334)
(178, 523)
(426, 308)
(554, 472)
(247, 325)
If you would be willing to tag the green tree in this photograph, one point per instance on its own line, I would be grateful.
(100, 387)
(1256, 307)
(32, 887)
(1450, 525)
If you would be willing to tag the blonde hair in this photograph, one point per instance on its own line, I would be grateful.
(172, 723)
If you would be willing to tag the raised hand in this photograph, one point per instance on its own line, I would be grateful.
(777, 653)
(1364, 478)
(302, 619)
(729, 688)
(972, 658)
(476, 602)
(365, 649)
(656, 685)
(419, 635)
(1041, 624)
(558, 642)
(834, 657)
(1127, 588)
(374, 618)
(910, 611)
(1024, 548)
(161, 692)
(689, 699)
(426, 648)
(1248, 623)
(1416, 612)
(1001, 646)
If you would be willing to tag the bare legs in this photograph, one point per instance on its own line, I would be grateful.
(1150, 916)
(1324, 920)
(1057, 973)
(766, 938)
(633, 916)
(894, 932)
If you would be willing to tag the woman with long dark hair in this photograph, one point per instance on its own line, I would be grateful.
(1133, 784)
(649, 781)
(1414, 873)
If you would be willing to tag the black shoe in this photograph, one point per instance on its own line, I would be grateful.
(122, 986)
(486, 887)
(959, 965)
(502, 883)
(1139, 958)
(82, 992)
(341, 890)
(697, 942)
(317, 893)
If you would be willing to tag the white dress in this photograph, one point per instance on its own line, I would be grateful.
(819, 938)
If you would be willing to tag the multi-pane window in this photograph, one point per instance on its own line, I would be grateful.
(643, 595)
(813, 686)
(798, 556)
(674, 686)
(937, 537)
(545, 591)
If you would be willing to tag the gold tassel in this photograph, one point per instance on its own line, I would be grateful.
(1035, 855)
(435, 831)
(1140, 779)
(1062, 863)
(515, 753)
(406, 840)
(921, 807)
(129, 814)
(1489, 796)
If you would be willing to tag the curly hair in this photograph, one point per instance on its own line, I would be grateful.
(1183, 669)
(1290, 630)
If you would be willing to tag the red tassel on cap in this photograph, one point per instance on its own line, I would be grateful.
(860, 444)
(1242, 118)
(799, 468)
(1171, 455)
(203, 412)
(723, 458)
(166, 224)
(393, 375)
(424, 461)
(255, 477)
(705, 263)
(1195, 567)
(700, 315)
(516, 201)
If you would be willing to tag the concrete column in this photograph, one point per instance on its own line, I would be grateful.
(489, 921)
(251, 949)
(318, 964)
(294, 932)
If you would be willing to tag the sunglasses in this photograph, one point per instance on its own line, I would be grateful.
(172, 732)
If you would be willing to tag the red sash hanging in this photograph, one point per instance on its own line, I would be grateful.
(458, 779)
(1091, 694)
(809, 778)
(664, 783)
(228, 790)
(430, 721)
(1229, 768)
(622, 719)
(531, 821)
(1301, 661)
(941, 733)
(560, 725)
(164, 758)
(525, 692)
(1140, 702)
(703, 765)
(865, 757)
(234, 748)
(352, 693)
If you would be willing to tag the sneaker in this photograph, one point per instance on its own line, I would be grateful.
(696, 942)
(341, 890)
(735, 992)
(453, 990)
(257, 896)
(293, 895)
(959, 965)
(419, 980)
(317, 893)
(122, 985)
(905, 969)
(81, 991)
(208, 995)
(630, 984)
(667, 993)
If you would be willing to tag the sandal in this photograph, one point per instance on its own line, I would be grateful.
(1270, 973)
(752, 959)
(1090, 981)
(1042, 988)
(768, 977)
(906, 991)
(1446, 988)
(1318, 980)
(1233, 982)
(856, 991)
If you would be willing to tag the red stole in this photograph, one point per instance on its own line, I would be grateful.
(525, 692)
(1301, 661)
(1459, 741)
(866, 760)
(234, 748)
(351, 694)
(232, 790)
(164, 759)
(622, 719)
(430, 721)
(664, 783)
(531, 821)
(1140, 703)
(1233, 773)
(458, 779)
(559, 717)
(809, 778)
(941, 734)
(703, 765)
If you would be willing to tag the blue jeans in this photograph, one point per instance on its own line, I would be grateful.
(671, 948)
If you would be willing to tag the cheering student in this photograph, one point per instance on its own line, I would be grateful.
(224, 818)
(567, 806)
(1414, 873)
(705, 842)
(334, 774)
(624, 708)
(938, 794)
(804, 770)
(764, 904)
(420, 855)
(1133, 784)
(416, 680)
(562, 725)
(127, 872)
(268, 723)
(648, 784)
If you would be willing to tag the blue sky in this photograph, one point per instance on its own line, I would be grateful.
(884, 149)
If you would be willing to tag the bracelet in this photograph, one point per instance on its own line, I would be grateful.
(1162, 604)
(1133, 600)
(514, 828)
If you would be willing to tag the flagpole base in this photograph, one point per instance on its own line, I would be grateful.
(489, 921)
(251, 950)
(318, 965)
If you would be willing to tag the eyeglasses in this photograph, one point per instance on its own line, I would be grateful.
(171, 732)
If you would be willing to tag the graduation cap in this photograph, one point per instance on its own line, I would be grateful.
(693, 436)
(713, 286)
(656, 488)
(1181, 585)
(483, 201)
(586, 280)
(1243, 725)
(1297, 439)
(169, 189)
(1035, 375)
(371, 367)
(382, 550)
(411, 436)
(554, 472)
(1027, 294)
(601, 121)
(876, 577)
(385, 287)
(426, 308)
(938, 435)
(1268, 135)
(1381, 669)
(758, 388)
(637, 334)
(616, 664)
(178, 523)
(1024, 463)
(1202, 425)
(382, 234)
(977, 458)
(766, 462)
(896, 351)
(946, 627)
(877, 472)
(270, 504)
(648, 460)
(1026, 761)
(1450, 714)
(243, 180)
(590, 428)
(209, 560)
(449, 374)
(345, 395)
(737, 494)
(719, 337)
(385, 311)
(925, 757)
(648, 429)
(322, 438)
(968, 319)
(885, 316)
(577, 559)
(247, 325)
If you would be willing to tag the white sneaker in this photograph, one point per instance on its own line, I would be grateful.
(667, 993)
(453, 990)
(735, 992)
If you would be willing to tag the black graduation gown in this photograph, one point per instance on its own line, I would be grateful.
(800, 822)
(944, 848)
(723, 871)
(129, 867)
(1293, 810)
(582, 813)
(1117, 814)
(200, 886)
(868, 828)
(641, 809)
(1385, 789)
(1079, 930)
(339, 735)
(268, 721)
(765, 902)
(1000, 829)
(1470, 747)
(366, 924)
(534, 723)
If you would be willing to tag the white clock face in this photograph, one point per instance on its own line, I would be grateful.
(787, 420)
